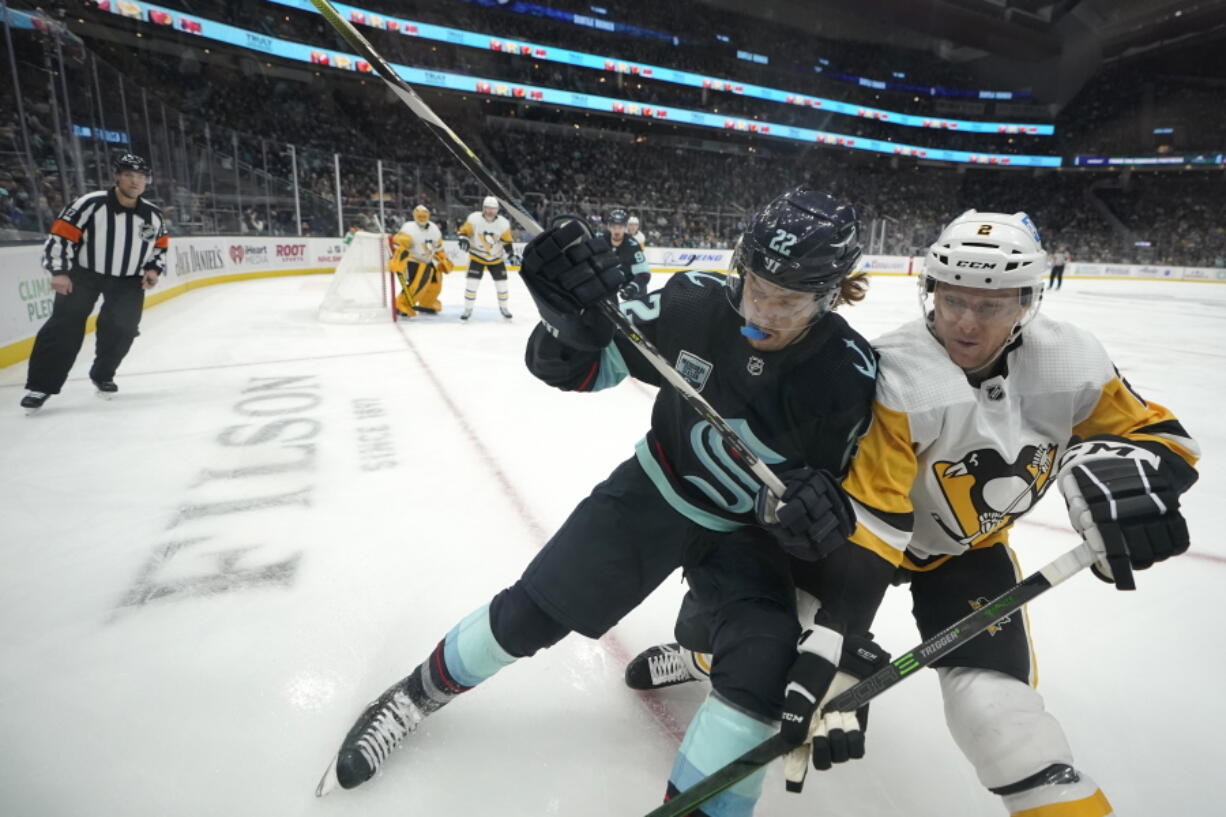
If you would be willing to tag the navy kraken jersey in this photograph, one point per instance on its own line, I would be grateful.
(806, 404)
(633, 261)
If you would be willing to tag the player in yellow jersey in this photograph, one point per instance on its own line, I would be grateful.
(419, 261)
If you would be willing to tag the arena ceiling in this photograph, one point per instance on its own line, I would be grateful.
(1056, 44)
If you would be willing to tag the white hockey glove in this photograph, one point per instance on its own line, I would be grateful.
(1124, 500)
(827, 665)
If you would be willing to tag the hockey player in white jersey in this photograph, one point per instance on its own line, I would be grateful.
(486, 237)
(982, 404)
(635, 231)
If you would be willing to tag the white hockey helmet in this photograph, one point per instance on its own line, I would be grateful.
(633, 221)
(489, 201)
(988, 251)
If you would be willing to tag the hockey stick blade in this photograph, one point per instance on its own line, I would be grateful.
(474, 165)
(949, 639)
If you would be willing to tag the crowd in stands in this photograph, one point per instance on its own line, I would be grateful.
(234, 175)
(698, 51)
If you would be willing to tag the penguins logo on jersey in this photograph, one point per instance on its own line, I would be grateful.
(993, 629)
(986, 493)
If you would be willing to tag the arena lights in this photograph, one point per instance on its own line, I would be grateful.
(455, 36)
(329, 58)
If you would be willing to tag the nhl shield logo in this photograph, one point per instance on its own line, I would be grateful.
(148, 232)
(755, 365)
(694, 369)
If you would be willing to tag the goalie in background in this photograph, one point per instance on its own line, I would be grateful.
(419, 262)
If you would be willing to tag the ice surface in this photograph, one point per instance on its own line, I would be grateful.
(206, 578)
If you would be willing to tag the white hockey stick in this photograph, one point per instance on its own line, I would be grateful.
(474, 165)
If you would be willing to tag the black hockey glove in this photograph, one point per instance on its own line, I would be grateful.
(631, 291)
(831, 737)
(568, 273)
(814, 515)
(1124, 500)
(512, 259)
(463, 244)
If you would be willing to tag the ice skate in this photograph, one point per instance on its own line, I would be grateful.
(106, 388)
(381, 728)
(466, 314)
(667, 665)
(506, 313)
(33, 401)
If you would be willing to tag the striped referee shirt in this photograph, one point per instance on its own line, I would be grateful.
(98, 234)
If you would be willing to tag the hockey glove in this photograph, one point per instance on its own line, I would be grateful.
(631, 291)
(512, 259)
(1124, 500)
(813, 517)
(568, 273)
(831, 737)
(463, 242)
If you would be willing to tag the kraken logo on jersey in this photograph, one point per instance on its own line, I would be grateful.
(986, 493)
(740, 486)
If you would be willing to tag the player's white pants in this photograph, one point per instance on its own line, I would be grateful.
(1000, 724)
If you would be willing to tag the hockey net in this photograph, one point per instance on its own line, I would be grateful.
(362, 287)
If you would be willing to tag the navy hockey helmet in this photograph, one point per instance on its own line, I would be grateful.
(804, 240)
(618, 217)
(130, 161)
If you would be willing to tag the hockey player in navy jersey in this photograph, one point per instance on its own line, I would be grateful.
(982, 405)
(629, 253)
(765, 347)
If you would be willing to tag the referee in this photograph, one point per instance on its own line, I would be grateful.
(110, 243)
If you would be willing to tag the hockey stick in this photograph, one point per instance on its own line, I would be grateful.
(474, 165)
(952, 637)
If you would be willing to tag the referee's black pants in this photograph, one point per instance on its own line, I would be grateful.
(59, 341)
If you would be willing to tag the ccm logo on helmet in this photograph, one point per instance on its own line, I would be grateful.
(976, 264)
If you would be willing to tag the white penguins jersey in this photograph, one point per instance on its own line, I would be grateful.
(423, 241)
(485, 238)
(946, 466)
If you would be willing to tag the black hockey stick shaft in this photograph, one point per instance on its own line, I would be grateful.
(474, 165)
(952, 637)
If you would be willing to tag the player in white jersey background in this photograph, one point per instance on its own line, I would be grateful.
(486, 237)
(419, 261)
(636, 232)
(981, 405)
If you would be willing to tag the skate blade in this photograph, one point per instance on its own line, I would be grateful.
(328, 783)
(105, 395)
(30, 412)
